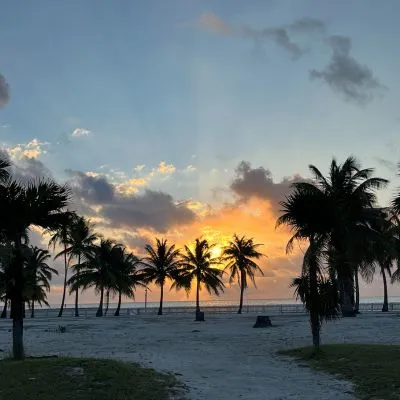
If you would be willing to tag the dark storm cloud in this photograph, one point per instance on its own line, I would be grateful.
(152, 209)
(93, 189)
(344, 74)
(4, 91)
(257, 182)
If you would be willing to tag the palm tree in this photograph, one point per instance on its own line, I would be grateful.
(198, 264)
(97, 271)
(305, 212)
(79, 240)
(37, 203)
(128, 275)
(61, 236)
(350, 198)
(160, 264)
(239, 255)
(38, 275)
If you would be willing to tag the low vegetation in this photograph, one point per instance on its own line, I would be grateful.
(373, 369)
(78, 379)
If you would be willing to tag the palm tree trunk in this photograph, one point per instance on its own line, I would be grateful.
(161, 299)
(347, 296)
(60, 313)
(198, 295)
(119, 304)
(17, 303)
(77, 291)
(357, 290)
(314, 305)
(4, 312)
(241, 292)
(33, 309)
(385, 306)
(99, 312)
(107, 300)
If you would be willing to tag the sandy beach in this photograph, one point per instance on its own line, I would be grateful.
(223, 358)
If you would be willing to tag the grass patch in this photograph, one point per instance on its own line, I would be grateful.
(78, 379)
(373, 369)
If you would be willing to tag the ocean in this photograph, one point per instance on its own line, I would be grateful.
(220, 303)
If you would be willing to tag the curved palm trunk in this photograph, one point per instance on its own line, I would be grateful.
(17, 303)
(77, 291)
(385, 306)
(241, 292)
(99, 312)
(60, 313)
(119, 304)
(357, 290)
(160, 309)
(4, 312)
(33, 309)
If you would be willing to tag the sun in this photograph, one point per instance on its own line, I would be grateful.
(216, 251)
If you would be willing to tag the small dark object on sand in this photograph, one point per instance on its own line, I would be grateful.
(199, 316)
(262, 322)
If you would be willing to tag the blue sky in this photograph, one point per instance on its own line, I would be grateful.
(185, 83)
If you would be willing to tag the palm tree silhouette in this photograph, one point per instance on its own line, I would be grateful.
(198, 264)
(334, 215)
(160, 264)
(239, 255)
(37, 203)
(128, 275)
(97, 271)
(61, 236)
(79, 241)
(38, 275)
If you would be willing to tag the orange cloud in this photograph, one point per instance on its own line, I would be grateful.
(164, 168)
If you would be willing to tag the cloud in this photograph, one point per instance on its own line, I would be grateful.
(257, 182)
(152, 209)
(307, 25)
(93, 189)
(4, 91)
(32, 149)
(29, 168)
(164, 168)
(79, 132)
(139, 168)
(351, 79)
(280, 35)
(211, 22)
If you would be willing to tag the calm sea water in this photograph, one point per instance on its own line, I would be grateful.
(222, 303)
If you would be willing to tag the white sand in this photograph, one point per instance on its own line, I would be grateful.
(223, 358)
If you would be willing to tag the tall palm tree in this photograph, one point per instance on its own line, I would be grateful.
(38, 275)
(198, 264)
(79, 241)
(305, 212)
(97, 271)
(128, 275)
(239, 255)
(160, 264)
(36, 203)
(61, 236)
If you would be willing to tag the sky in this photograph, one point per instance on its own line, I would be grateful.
(183, 118)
